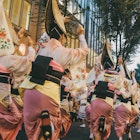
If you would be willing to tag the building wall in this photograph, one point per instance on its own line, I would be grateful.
(19, 12)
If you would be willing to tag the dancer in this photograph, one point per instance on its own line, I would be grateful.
(91, 87)
(134, 106)
(106, 81)
(42, 87)
(138, 103)
(122, 111)
(66, 87)
(134, 100)
(83, 101)
(11, 67)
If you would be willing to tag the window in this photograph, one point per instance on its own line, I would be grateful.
(7, 4)
(18, 11)
(15, 18)
(25, 15)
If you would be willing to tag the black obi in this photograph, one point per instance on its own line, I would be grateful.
(41, 71)
(125, 100)
(5, 78)
(102, 90)
(63, 94)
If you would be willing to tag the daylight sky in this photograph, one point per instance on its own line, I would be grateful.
(136, 58)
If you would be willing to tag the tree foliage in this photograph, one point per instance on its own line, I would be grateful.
(120, 23)
(138, 73)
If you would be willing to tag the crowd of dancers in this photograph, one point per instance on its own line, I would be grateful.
(37, 87)
(113, 99)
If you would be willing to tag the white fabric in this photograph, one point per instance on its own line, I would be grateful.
(91, 76)
(5, 97)
(82, 112)
(6, 42)
(18, 65)
(65, 56)
(79, 94)
(78, 73)
(138, 102)
(67, 82)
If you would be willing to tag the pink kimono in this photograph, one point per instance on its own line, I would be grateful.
(47, 96)
(102, 105)
(11, 117)
(122, 112)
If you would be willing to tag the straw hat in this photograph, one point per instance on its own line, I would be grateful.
(12, 31)
(53, 15)
(6, 40)
(127, 73)
(106, 58)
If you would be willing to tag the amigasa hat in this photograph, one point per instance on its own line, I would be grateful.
(53, 15)
(127, 73)
(106, 58)
(6, 42)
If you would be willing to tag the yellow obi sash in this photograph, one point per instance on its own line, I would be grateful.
(48, 88)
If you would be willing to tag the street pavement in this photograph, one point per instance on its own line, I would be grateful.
(78, 133)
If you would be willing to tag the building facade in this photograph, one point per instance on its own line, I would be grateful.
(20, 14)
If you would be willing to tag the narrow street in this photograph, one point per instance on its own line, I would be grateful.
(77, 133)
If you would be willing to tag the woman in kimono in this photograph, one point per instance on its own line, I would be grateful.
(42, 87)
(91, 87)
(134, 100)
(138, 103)
(134, 106)
(123, 110)
(11, 67)
(106, 82)
(66, 86)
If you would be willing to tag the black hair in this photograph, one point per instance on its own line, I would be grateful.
(66, 71)
(55, 32)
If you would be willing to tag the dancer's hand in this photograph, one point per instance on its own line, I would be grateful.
(133, 74)
(66, 19)
(120, 60)
(80, 29)
(30, 41)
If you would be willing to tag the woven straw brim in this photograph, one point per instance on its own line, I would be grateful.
(6, 41)
(106, 55)
(12, 31)
(127, 73)
(53, 14)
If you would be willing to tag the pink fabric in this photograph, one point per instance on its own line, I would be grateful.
(133, 115)
(56, 66)
(111, 87)
(121, 116)
(66, 123)
(10, 122)
(20, 108)
(88, 111)
(4, 70)
(34, 103)
(100, 108)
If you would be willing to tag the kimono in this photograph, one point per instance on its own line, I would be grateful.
(122, 111)
(12, 68)
(39, 97)
(10, 114)
(106, 81)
